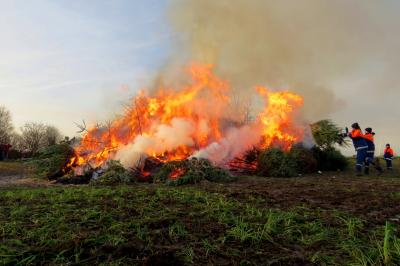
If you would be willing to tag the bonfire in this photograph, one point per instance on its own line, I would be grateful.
(193, 120)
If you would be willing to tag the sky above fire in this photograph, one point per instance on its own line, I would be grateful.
(64, 61)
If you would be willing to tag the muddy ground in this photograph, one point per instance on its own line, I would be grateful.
(375, 199)
(16, 173)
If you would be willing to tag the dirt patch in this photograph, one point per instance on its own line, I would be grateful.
(374, 199)
(20, 180)
(16, 173)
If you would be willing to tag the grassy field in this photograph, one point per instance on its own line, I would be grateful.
(333, 219)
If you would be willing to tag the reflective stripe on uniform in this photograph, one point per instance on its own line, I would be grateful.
(370, 151)
(361, 148)
(359, 164)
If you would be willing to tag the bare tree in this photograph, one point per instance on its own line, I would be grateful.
(33, 136)
(16, 141)
(53, 136)
(6, 126)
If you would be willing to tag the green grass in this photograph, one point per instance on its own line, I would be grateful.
(128, 225)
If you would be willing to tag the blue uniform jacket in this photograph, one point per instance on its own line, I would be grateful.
(358, 141)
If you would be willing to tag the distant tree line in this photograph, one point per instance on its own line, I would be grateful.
(32, 136)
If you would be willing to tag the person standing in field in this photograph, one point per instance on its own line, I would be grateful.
(361, 146)
(388, 156)
(369, 138)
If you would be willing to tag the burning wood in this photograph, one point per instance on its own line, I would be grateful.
(175, 174)
(146, 168)
(189, 122)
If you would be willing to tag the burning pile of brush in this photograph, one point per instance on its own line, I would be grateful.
(197, 119)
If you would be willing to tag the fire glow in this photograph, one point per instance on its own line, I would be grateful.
(175, 124)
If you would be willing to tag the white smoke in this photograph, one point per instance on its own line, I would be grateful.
(130, 154)
(180, 133)
(165, 137)
(237, 141)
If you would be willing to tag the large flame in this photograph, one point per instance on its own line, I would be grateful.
(193, 120)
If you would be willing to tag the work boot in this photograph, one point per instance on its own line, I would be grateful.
(366, 170)
(358, 173)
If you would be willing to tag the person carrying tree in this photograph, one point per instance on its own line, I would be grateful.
(360, 145)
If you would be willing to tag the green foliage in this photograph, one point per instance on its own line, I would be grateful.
(326, 134)
(304, 158)
(115, 174)
(192, 171)
(329, 159)
(277, 163)
(50, 162)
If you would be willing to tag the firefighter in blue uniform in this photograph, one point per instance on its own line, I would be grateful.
(388, 156)
(361, 146)
(369, 138)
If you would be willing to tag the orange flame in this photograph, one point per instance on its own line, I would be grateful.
(203, 105)
(176, 173)
(278, 125)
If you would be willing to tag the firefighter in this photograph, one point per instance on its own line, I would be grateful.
(369, 138)
(388, 156)
(360, 144)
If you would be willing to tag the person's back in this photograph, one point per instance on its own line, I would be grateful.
(358, 141)
(369, 138)
(360, 145)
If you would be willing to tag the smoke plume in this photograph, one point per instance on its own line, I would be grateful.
(307, 46)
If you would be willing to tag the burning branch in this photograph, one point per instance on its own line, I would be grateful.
(82, 127)
(137, 117)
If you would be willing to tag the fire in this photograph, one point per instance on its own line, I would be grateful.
(278, 125)
(177, 173)
(176, 123)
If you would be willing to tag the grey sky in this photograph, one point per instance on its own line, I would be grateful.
(63, 61)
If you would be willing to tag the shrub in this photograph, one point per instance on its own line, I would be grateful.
(50, 162)
(299, 160)
(329, 159)
(192, 171)
(304, 159)
(114, 174)
(276, 163)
